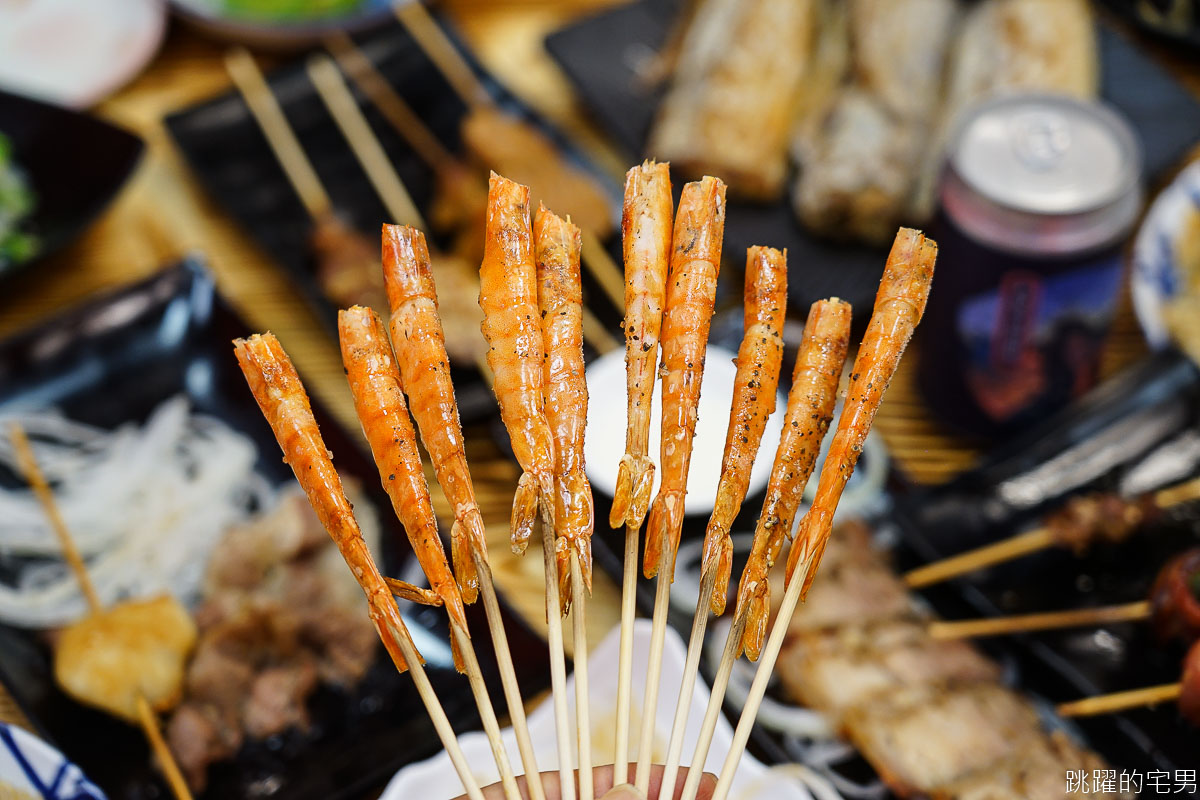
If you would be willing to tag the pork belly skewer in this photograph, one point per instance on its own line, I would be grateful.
(754, 387)
(347, 264)
(146, 715)
(425, 369)
(284, 403)
(560, 298)
(809, 410)
(691, 293)
(511, 325)
(375, 383)
(1076, 525)
(1186, 691)
(646, 231)
(899, 305)
(1172, 606)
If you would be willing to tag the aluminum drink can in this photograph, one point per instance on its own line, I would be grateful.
(1036, 201)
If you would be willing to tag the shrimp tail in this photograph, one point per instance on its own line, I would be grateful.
(635, 478)
(754, 602)
(666, 519)
(718, 555)
(562, 558)
(524, 512)
(464, 564)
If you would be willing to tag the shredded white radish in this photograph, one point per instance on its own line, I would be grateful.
(145, 504)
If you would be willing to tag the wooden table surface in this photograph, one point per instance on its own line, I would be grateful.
(163, 212)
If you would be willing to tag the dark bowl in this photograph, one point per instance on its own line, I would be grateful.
(76, 164)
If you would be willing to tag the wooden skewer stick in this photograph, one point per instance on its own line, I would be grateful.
(45, 495)
(691, 667)
(508, 674)
(389, 102)
(441, 51)
(362, 140)
(558, 658)
(487, 713)
(625, 657)
(1024, 623)
(1119, 701)
(265, 108)
(658, 635)
(451, 63)
(583, 722)
(1005, 550)
(1025, 543)
(715, 700)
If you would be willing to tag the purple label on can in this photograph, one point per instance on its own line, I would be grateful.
(1035, 335)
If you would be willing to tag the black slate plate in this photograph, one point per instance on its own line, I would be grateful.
(602, 55)
(231, 158)
(1090, 446)
(75, 164)
(115, 359)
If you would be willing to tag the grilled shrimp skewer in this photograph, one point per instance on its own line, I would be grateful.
(511, 324)
(560, 297)
(425, 371)
(899, 305)
(691, 292)
(809, 409)
(283, 401)
(754, 388)
(379, 402)
(646, 231)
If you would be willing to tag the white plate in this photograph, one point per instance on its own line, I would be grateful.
(75, 52)
(605, 436)
(30, 765)
(1155, 278)
(435, 778)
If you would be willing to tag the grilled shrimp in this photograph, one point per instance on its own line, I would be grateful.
(809, 411)
(560, 297)
(425, 371)
(754, 388)
(284, 403)
(646, 233)
(899, 305)
(691, 292)
(508, 297)
(379, 402)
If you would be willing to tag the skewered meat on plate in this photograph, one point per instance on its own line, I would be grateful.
(738, 83)
(842, 668)
(1175, 598)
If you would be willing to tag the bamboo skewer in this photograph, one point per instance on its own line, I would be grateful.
(558, 659)
(625, 653)
(1120, 701)
(487, 713)
(454, 67)
(1050, 620)
(583, 722)
(691, 667)
(357, 131)
(658, 635)
(45, 495)
(1025, 543)
(287, 149)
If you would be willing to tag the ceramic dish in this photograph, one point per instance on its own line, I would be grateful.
(1166, 255)
(30, 767)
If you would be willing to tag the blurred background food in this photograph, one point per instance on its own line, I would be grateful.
(1044, 143)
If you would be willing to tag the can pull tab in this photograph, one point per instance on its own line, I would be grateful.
(1040, 139)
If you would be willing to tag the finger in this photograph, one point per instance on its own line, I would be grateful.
(602, 783)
